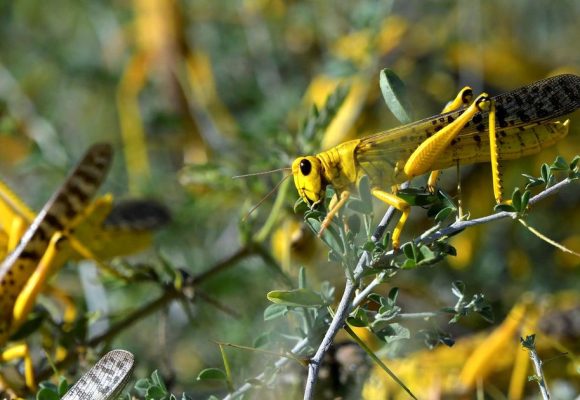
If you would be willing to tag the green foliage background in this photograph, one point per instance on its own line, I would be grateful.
(61, 68)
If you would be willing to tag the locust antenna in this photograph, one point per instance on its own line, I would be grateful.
(266, 196)
(264, 173)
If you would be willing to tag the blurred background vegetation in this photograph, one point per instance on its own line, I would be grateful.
(191, 93)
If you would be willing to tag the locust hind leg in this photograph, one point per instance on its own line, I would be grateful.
(494, 152)
(426, 154)
(463, 98)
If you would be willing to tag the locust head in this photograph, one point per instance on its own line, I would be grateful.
(308, 179)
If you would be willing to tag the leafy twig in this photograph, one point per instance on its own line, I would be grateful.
(529, 344)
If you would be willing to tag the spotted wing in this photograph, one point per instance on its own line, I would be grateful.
(105, 380)
(524, 119)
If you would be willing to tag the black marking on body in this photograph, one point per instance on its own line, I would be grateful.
(53, 222)
(521, 114)
(29, 255)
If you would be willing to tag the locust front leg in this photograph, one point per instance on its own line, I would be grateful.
(399, 204)
(335, 207)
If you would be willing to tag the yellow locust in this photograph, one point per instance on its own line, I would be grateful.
(507, 126)
(67, 227)
(24, 271)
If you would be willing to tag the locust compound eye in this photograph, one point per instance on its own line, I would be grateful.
(305, 167)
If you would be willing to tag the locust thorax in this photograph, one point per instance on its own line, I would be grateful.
(308, 179)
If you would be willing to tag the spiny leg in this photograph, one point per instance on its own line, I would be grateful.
(494, 152)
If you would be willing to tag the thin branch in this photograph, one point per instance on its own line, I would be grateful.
(338, 321)
(529, 344)
(430, 236)
(169, 294)
(336, 324)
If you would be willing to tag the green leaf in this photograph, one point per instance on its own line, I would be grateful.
(447, 200)
(517, 200)
(393, 332)
(369, 246)
(504, 207)
(46, 394)
(443, 214)
(142, 385)
(352, 321)
(63, 386)
(375, 297)
(525, 200)
(393, 295)
(408, 264)
(426, 256)
(395, 95)
(547, 175)
(574, 162)
(417, 197)
(156, 393)
(409, 251)
(529, 342)
(274, 311)
(361, 315)
(330, 236)
(300, 206)
(533, 181)
(559, 164)
(215, 374)
(295, 298)
(158, 381)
